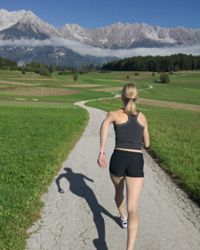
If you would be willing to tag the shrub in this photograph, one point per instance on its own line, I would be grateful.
(75, 77)
(104, 71)
(65, 73)
(83, 71)
(156, 80)
(164, 78)
(42, 71)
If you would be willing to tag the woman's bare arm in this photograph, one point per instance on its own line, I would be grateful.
(146, 134)
(142, 119)
(103, 137)
(104, 130)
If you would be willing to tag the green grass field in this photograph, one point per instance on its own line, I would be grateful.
(184, 87)
(180, 89)
(35, 136)
(34, 141)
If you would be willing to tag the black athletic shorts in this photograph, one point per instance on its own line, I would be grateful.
(126, 163)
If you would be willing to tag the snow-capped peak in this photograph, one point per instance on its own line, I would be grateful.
(73, 28)
(9, 18)
(27, 18)
(115, 36)
(75, 32)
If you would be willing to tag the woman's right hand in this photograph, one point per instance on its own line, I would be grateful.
(102, 160)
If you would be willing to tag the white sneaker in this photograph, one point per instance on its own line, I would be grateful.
(124, 222)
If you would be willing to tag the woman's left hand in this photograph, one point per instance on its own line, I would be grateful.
(102, 160)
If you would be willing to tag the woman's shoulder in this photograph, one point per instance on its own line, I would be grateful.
(141, 114)
(114, 113)
(142, 118)
(117, 111)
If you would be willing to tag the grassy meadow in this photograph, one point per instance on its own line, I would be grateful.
(184, 87)
(40, 125)
(34, 142)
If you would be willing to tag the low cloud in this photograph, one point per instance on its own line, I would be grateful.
(84, 49)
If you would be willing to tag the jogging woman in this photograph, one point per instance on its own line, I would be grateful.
(126, 162)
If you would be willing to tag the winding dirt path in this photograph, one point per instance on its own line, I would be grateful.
(85, 216)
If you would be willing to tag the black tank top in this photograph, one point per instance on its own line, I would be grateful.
(129, 134)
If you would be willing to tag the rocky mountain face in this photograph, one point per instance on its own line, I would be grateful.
(120, 36)
(48, 55)
(25, 25)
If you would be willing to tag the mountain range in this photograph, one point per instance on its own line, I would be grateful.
(24, 37)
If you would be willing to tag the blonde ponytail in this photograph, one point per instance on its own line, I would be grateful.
(129, 96)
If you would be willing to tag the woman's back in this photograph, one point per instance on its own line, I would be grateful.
(128, 129)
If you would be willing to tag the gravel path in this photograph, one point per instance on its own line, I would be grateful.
(85, 216)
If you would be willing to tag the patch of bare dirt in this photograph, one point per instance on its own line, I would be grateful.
(109, 89)
(15, 83)
(32, 78)
(39, 91)
(167, 104)
(84, 85)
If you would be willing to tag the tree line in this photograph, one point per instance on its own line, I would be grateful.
(155, 63)
(44, 69)
(7, 63)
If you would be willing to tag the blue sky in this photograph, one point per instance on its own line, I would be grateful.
(98, 13)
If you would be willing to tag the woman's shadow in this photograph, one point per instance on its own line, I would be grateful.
(79, 187)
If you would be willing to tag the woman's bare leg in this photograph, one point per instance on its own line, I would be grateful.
(134, 187)
(119, 196)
